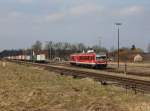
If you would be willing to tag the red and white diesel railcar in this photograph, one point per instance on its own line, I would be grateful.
(89, 59)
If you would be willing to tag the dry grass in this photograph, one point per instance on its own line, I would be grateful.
(32, 89)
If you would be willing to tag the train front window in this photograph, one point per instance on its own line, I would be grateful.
(100, 57)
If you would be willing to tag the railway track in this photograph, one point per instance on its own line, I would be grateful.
(137, 84)
(112, 69)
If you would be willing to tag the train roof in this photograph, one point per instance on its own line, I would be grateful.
(85, 54)
(80, 54)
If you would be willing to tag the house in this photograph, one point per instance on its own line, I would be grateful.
(138, 58)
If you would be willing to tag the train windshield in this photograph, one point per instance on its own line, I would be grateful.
(100, 57)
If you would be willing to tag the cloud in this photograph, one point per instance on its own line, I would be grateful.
(83, 9)
(39, 1)
(15, 14)
(24, 1)
(52, 17)
(55, 1)
(128, 11)
(55, 16)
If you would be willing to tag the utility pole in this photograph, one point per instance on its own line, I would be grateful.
(118, 24)
(100, 42)
(49, 43)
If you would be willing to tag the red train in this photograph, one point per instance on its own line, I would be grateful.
(89, 60)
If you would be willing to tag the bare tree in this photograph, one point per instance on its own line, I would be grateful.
(66, 46)
(37, 46)
(49, 48)
(74, 48)
(58, 45)
(98, 49)
(48, 45)
(81, 47)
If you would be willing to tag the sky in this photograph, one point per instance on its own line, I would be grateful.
(22, 22)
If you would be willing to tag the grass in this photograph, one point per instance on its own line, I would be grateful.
(25, 88)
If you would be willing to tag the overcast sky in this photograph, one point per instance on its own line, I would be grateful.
(22, 22)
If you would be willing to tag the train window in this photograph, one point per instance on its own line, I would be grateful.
(100, 57)
(84, 57)
(81, 58)
(87, 57)
(90, 58)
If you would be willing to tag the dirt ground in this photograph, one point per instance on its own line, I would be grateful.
(141, 69)
(25, 88)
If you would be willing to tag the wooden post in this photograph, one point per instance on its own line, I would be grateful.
(125, 68)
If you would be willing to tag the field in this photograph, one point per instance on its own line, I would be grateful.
(25, 88)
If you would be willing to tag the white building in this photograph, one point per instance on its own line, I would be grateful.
(138, 58)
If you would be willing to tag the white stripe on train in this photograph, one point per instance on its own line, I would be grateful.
(87, 63)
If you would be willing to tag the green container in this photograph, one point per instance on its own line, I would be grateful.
(33, 58)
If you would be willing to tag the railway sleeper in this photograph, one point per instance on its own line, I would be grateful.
(105, 82)
(68, 73)
(76, 76)
(134, 88)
